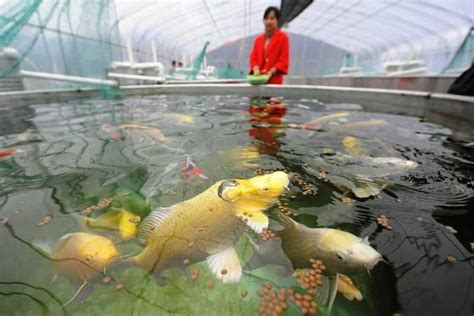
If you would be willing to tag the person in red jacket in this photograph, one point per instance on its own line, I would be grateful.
(270, 53)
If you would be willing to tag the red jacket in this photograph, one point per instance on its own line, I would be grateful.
(276, 55)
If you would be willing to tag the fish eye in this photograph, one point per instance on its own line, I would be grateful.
(230, 183)
(266, 189)
(340, 256)
(88, 259)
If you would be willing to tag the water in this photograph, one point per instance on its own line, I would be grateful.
(73, 155)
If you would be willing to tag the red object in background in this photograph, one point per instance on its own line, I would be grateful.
(113, 132)
(189, 170)
(7, 152)
(275, 55)
(276, 109)
(268, 119)
(116, 136)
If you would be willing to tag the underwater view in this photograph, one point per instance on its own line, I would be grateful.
(231, 205)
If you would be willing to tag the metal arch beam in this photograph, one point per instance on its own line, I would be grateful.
(317, 19)
(384, 44)
(360, 39)
(400, 26)
(421, 27)
(467, 17)
(395, 20)
(366, 35)
(162, 25)
(214, 20)
(355, 42)
(344, 10)
(146, 28)
(417, 5)
(364, 18)
(187, 35)
(124, 17)
(188, 32)
(363, 38)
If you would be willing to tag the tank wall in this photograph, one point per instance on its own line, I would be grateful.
(413, 83)
(456, 112)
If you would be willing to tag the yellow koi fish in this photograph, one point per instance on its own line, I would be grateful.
(369, 124)
(352, 146)
(82, 258)
(153, 132)
(341, 252)
(119, 220)
(207, 226)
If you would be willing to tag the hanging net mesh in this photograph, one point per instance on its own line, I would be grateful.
(464, 56)
(76, 38)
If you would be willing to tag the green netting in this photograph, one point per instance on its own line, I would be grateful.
(68, 37)
(464, 57)
(230, 73)
(349, 60)
(197, 62)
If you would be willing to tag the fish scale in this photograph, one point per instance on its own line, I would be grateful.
(208, 225)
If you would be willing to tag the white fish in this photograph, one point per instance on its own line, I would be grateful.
(340, 251)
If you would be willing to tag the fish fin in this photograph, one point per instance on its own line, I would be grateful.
(153, 220)
(333, 282)
(225, 265)
(322, 294)
(257, 222)
(270, 253)
(286, 222)
(365, 240)
(348, 289)
(368, 188)
(45, 247)
(81, 294)
(54, 278)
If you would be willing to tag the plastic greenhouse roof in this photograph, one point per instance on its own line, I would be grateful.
(361, 27)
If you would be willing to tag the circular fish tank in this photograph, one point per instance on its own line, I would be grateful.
(90, 186)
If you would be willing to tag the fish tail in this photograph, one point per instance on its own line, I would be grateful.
(270, 253)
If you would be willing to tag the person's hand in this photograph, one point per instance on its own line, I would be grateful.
(256, 71)
(272, 72)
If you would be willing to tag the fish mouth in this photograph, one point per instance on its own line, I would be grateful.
(373, 263)
(109, 262)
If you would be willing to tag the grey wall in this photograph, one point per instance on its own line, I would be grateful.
(413, 83)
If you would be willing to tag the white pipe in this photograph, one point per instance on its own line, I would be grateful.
(138, 77)
(116, 64)
(58, 77)
(128, 42)
(153, 50)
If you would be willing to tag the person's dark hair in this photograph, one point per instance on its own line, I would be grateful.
(173, 63)
(274, 10)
